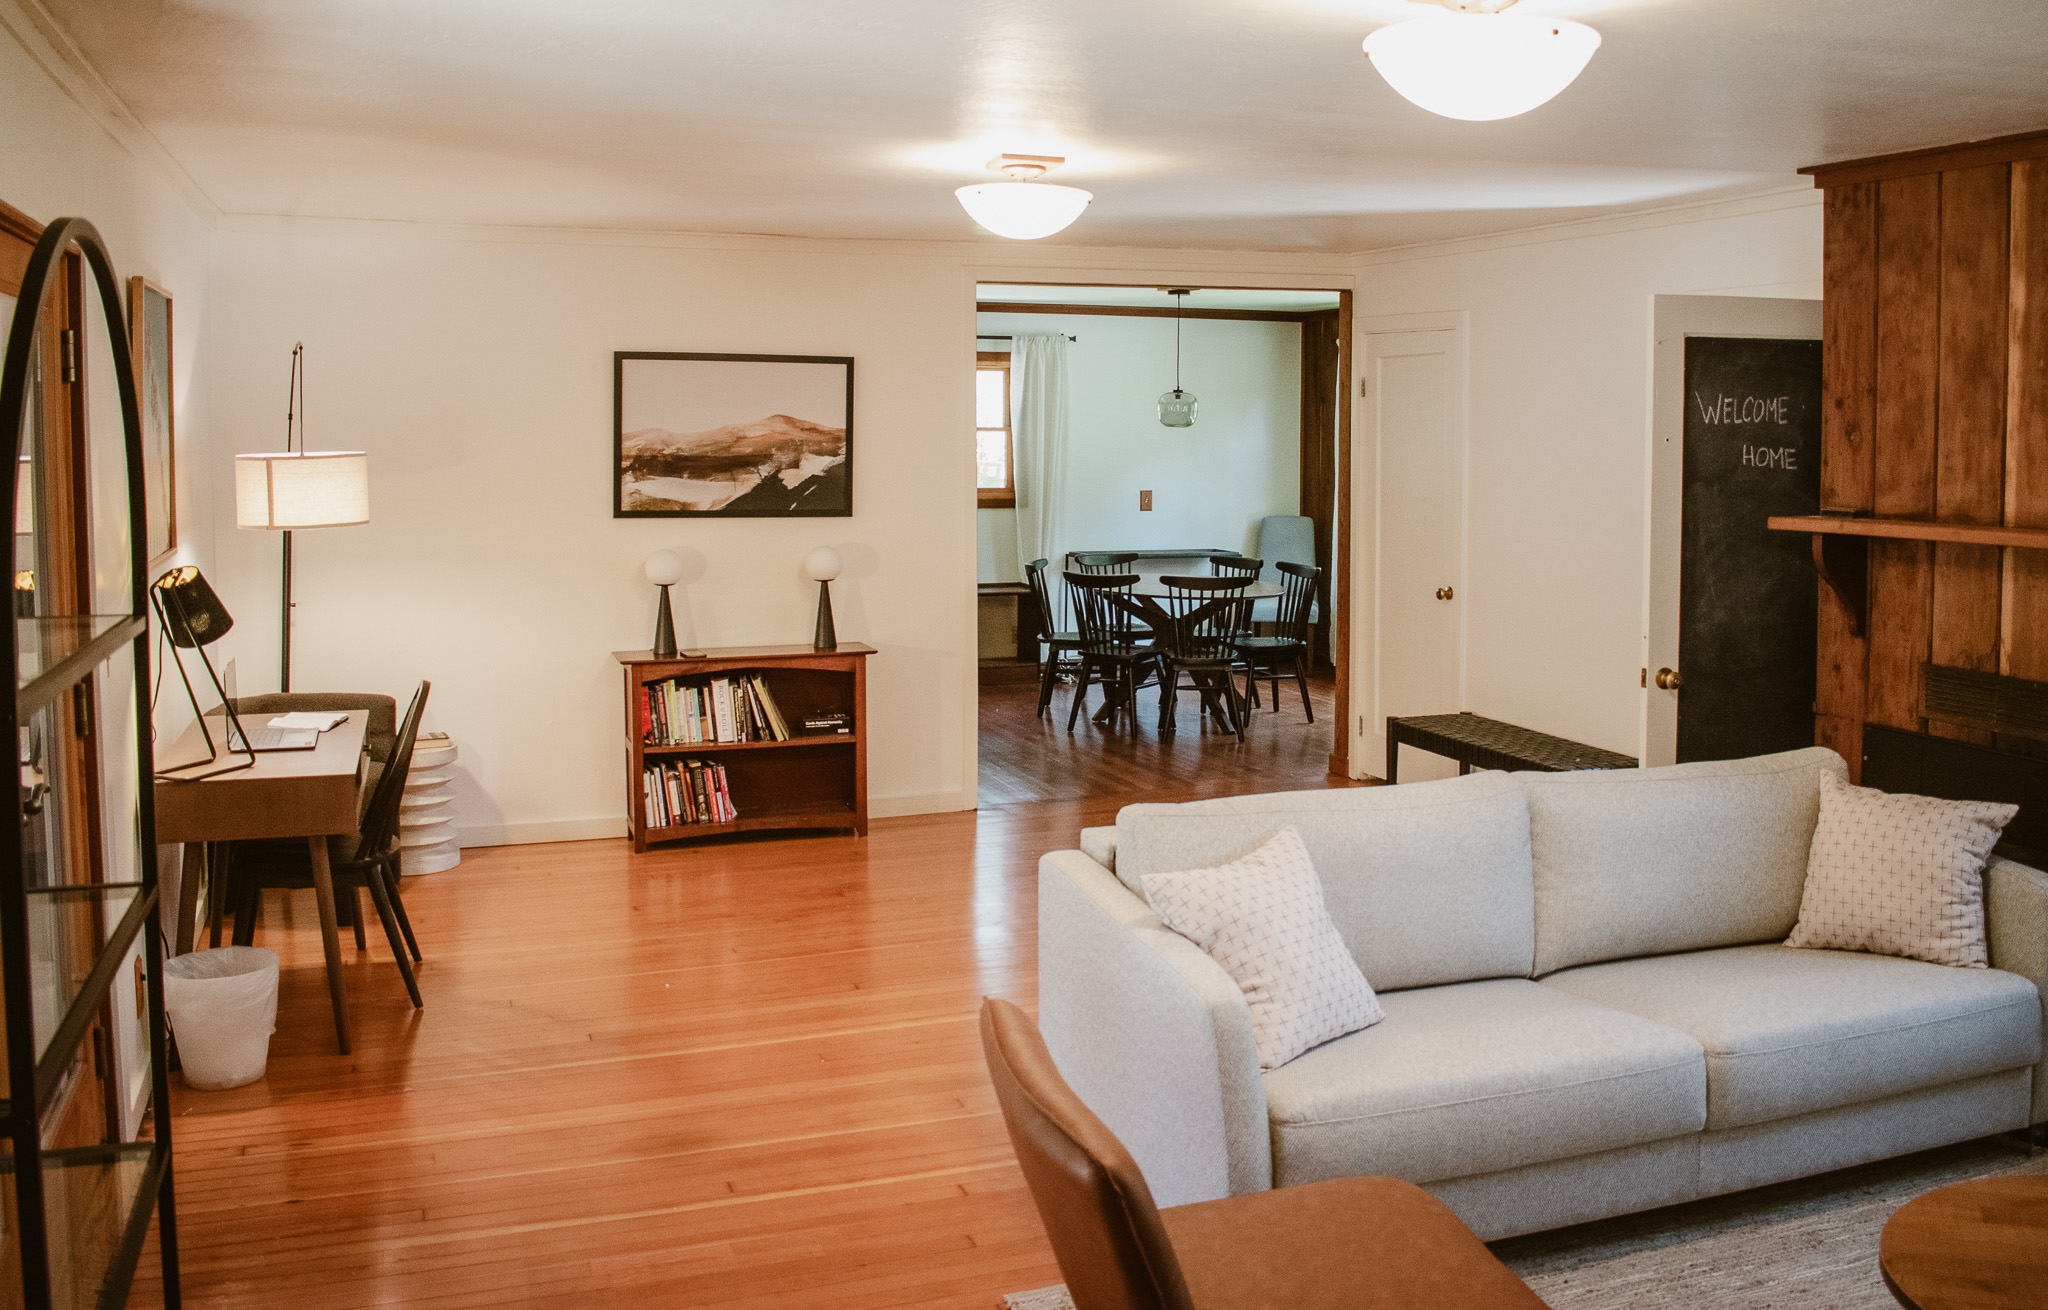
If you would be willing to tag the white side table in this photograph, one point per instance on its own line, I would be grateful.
(426, 841)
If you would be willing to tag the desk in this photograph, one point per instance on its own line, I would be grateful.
(311, 794)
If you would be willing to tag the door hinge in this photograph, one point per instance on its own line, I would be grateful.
(81, 711)
(1361, 725)
(1364, 386)
(69, 340)
(1643, 680)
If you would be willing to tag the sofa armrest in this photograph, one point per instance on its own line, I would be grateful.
(1099, 845)
(1152, 1034)
(2016, 918)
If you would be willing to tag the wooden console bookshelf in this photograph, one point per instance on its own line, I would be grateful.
(806, 783)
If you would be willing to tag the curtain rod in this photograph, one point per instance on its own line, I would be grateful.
(1005, 336)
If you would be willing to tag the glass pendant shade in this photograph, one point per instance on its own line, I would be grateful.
(1481, 67)
(1177, 408)
(1023, 211)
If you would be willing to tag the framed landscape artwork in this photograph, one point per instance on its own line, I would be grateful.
(734, 436)
(149, 342)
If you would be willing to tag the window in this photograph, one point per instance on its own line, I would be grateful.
(995, 472)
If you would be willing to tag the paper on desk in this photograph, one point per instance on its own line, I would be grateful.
(318, 720)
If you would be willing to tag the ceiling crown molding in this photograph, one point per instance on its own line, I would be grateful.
(45, 41)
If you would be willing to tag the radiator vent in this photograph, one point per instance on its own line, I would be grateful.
(1990, 701)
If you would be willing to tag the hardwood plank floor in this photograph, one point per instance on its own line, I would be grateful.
(1027, 758)
(744, 1076)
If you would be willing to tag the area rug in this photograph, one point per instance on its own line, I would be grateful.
(1809, 1243)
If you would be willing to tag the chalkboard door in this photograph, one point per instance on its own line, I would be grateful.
(1747, 595)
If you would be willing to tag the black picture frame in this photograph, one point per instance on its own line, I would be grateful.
(705, 396)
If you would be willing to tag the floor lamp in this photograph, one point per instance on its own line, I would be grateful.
(295, 489)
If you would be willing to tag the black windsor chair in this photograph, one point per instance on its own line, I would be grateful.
(1208, 620)
(1059, 644)
(1110, 652)
(1265, 657)
(1225, 566)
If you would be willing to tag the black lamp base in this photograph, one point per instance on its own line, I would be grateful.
(664, 629)
(825, 638)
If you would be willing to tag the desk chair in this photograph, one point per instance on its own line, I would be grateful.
(1110, 652)
(1342, 1244)
(369, 859)
(1057, 643)
(1264, 656)
(380, 731)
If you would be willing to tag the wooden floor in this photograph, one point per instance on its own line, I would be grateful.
(1027, 758)
(745, 1076)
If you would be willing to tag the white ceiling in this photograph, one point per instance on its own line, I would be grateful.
(1200, 123)
(1292, 302)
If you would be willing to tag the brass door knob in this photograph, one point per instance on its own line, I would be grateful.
(1668, 680)
(1443, 593)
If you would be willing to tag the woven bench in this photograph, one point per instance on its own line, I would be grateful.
(1477, 742)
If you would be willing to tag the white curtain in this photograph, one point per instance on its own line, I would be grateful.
(1038, 427)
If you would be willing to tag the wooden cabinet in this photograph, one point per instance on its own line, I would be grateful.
(812, 781)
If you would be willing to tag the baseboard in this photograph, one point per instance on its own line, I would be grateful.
(547, 830)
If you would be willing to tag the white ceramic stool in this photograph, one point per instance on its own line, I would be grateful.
(426, 842)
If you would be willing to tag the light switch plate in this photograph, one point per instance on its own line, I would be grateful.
(1144, 500)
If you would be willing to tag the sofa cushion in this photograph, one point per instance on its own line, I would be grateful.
(1634, 862)
(1478, 1077)
(1427, 883)
(1792, 1031)
(1899, 875)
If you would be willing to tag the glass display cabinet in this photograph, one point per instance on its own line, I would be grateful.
(84, 1163)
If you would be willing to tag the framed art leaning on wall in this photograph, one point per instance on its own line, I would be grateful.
(149, 341)
(733, 436)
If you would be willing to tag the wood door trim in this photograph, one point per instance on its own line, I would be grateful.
(1938, 159)
(1147, 311)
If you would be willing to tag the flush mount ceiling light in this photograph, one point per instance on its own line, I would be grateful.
(1021, 208)
(1478, 62)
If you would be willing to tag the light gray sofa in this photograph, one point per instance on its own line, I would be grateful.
(1588, 1009)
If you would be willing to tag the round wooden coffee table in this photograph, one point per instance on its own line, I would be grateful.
(1980, 1245)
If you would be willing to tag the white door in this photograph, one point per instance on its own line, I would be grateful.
(1673, 319)
(1410, 457)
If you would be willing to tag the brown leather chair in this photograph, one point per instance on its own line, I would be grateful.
(1357, 1243)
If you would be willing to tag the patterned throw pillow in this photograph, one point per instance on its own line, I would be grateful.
(1262, 918)
(1899, 875)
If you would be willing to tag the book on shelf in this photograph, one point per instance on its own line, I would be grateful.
(676, 793)
(837, 721)
(724, 710)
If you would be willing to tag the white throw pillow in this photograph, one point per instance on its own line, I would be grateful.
(1899, 875)
(1262, 918)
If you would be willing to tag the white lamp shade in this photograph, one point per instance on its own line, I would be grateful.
(305, 489)
(664, 568)
(822, 564)
(1480, 67)
(1023, 211)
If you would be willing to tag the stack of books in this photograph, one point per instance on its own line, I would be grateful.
(729, 709)
(687, 791)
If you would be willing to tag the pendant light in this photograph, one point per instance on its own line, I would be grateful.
(1177, 407)
(1478, 62)
(1022, 208)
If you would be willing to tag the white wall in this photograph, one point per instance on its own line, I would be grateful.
(1211, 483)
(475, 367)
(1559, 402)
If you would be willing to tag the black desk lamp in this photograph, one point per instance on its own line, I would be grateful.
(193, 618)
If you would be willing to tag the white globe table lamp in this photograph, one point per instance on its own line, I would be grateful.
(664, 569)
(821, 566)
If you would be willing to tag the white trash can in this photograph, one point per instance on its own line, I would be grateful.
(223, 1008)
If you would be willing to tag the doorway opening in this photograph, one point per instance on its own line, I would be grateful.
(1076, 457)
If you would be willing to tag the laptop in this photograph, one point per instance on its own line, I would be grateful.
(263, 738)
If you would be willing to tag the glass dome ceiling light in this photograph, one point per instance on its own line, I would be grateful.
(1022, 208)
(1479, 63)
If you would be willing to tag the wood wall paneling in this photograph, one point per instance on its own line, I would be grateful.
(1936, 380)
(1319, 396)
(1970, 466)
(1848, 421)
